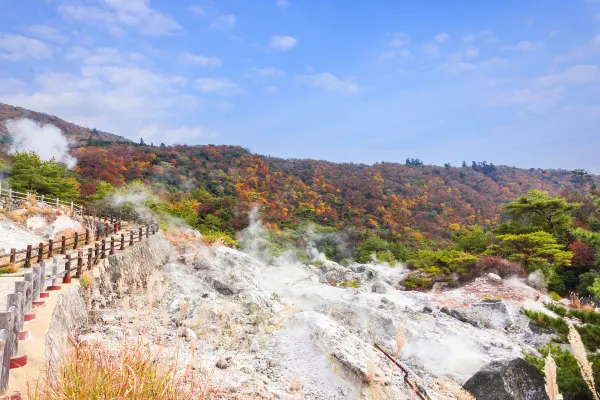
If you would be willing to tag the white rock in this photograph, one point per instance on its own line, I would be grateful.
(493, 278)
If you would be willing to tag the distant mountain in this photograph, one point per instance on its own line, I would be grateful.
(74, 132)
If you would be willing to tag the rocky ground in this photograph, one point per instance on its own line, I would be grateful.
(284, 331)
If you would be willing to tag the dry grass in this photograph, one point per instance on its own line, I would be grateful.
(132, 372)
(550, 373)
(9, 269)
(585, 366)
(21, 215)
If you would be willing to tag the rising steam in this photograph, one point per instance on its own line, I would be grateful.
(47, 141)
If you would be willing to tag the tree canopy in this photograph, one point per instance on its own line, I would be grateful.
(30, 173)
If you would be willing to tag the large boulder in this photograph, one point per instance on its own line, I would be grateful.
(514, 379)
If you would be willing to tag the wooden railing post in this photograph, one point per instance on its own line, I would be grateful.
(140, 234)
(106, 232)
(90, 265)
(122, 241)
(112, 246)
(50, 247)
(96, 252)
(13, 256)
(63, 245)
(103, 255)
(40, 253)
(28, 257)
(67, 277)
(79, 264)
(147, 231)
(87, 237)
(116, 227)
(76, 241)
(130, 238)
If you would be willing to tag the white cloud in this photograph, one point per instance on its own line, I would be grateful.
(328, 81)
(554, 33)
(156, 134)
(487, 36)
(431, 50)
(271, 89)
(441, 38)
(118, 13)
(197, 10)
(268, 72)
(525, 46)
(400, 39)
(17, 48)
(455, 64)
(221, 86)
(283, 3)
(283, 43)
(395, 54)
(493, 62)
(224, 22)
(103, 56)
(530, 100)
(575, 75)
(472, 52)
(47, 33)
(115, 99)
(203, 61)
(582, 51)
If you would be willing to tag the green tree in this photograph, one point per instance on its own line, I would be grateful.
(30, 173)
(102, 190)
(474, 240)
(537, 210)
(535, 250)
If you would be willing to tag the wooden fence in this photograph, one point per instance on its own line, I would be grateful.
(51, 201)
(105, 237)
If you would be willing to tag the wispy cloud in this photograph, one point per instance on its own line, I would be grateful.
(575, 75)
(283, 3)
(330, 82)
(223, 22)
(271, 89)
(441, 38)
(221, 86)
(431, 50)
(400, 39)
(117, 14)
(47, 33)
(283, 43)
(203, 61)
(19, 48)
(197, 10)
(525, 46)
(268, 72)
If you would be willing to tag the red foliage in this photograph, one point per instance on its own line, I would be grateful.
(499, 266)
(583, 255)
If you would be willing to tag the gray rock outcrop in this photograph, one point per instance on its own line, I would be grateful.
(514, 379)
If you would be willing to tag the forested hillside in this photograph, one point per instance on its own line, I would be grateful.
(448, 223)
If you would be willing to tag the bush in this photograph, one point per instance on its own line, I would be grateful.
(498, 265)
(417, 281)
(555, 296)
(570, 383)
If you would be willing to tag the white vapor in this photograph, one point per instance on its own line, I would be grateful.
(46, 141)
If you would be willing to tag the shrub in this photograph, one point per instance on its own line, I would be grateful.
(555, 296)
(570, 382)
(417, 282)
(352, 284)
(499, 266)
(86, 280)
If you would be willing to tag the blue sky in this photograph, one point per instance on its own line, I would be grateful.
(513, 82)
